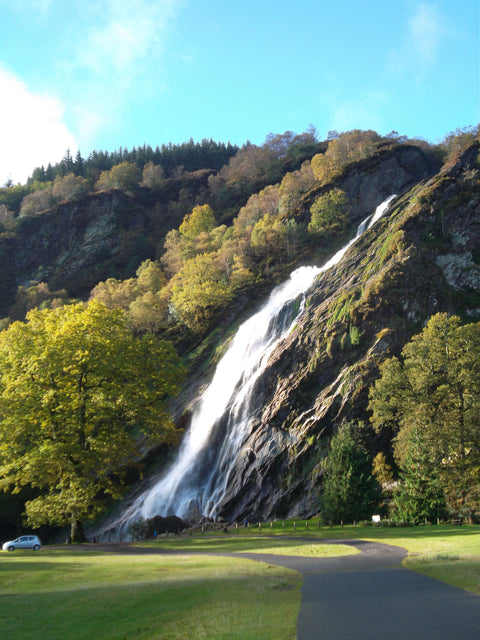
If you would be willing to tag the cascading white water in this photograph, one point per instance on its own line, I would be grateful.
(197, 480)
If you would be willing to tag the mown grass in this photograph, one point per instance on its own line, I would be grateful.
(250, 544)
(71, 594)
(446, 552)
(75, 595)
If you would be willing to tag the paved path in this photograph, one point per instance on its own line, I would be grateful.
(369, 596)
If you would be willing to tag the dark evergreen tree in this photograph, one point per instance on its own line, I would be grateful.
(350, 491)
(420, 495)
(79, 165)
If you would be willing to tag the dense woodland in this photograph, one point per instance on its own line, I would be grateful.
(245, 216)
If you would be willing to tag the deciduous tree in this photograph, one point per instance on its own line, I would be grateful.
(79, 397)
(329, 213)
(434, 390)
(199, 290)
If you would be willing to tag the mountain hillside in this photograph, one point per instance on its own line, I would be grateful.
(191, 257)
(420, 259)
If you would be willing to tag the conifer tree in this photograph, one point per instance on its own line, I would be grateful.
(350, 491)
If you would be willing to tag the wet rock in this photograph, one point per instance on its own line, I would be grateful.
(159, 525)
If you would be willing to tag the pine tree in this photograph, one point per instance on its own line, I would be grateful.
(350, 491)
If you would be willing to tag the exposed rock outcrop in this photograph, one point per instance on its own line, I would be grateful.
(394, 169)
(159, 525)
(106, 234)
(420, 260)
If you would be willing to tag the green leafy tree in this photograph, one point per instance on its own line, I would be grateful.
(199, 291)
(293, 186)
(329, 213)
(259, 204)
(196, 235)
(434, 388)
(150, 276)
(69, 187)
(343, 149)
(268, 236)
(79, 397)
(350, 491)
(201, 219)
(382, 470)
(149, 312)
(116, 294)
(125, 175)
(12, 196)
(172, 258)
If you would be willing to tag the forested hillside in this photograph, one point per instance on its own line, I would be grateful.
(185, 241)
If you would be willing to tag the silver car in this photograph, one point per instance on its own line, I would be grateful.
(23, 542)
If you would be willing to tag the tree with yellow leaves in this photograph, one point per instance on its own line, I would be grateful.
(78, 394)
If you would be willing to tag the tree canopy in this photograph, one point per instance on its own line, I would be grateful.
(329, 212)
(430, 397)
(79, 396)
(350, 491)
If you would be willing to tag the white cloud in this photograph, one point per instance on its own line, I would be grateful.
(32, 131)
(365, 111)
(119, 54)
(425, 33)
(113, 52)
(123, 34)
(421, 44)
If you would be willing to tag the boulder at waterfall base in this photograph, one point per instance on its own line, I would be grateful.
(159, 525)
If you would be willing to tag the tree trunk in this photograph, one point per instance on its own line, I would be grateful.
(76, 531)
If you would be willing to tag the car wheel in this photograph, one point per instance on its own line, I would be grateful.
(11, 548)
(36, 547)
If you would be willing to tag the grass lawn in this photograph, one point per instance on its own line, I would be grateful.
(446, 552)
(251, 544)
(69, 595)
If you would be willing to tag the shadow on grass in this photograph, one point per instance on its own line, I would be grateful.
(219, 596)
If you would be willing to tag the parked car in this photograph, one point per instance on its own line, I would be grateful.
(23, 542)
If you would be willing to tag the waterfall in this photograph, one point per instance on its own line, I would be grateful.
(197, 480)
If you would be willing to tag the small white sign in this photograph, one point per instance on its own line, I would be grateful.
(375, 518)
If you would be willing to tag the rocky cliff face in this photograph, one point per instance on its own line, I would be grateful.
(421, 259)
(76, 244)
(393, 169)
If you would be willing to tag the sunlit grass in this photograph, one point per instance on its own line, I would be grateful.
(74, 595)
(187, 593)
(449, 553)
(250, 544)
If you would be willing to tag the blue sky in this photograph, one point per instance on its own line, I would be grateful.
(100, 74)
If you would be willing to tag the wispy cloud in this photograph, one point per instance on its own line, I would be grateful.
(118, 56)
(32, 129)
(421, 43)
(356, 111)
(123, 33)
(425, 34)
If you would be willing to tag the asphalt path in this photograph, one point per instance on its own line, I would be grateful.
(367, 596)
(370, 596)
